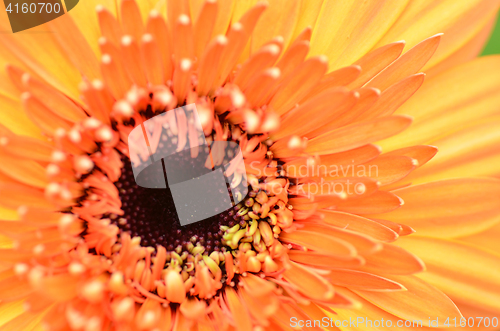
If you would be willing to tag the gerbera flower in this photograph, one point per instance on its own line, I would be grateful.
(333, 225)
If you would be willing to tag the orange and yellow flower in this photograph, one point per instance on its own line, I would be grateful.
(352, 212)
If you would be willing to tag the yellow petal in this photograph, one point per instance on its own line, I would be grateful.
(309, 11)
(10, 310)
(467, 52)
(26, 321)
(6, 242)
(465, 273)
(368, 317)
(449, 208)
(473, 151)
(85, 17)
(13, 117)
(283, 14)
(39, 50)
(347, 30)
(487, 240)
(224, 13)
(421, 301)
(449, 102)
(76, 48)
(240, 8)
(457, 19)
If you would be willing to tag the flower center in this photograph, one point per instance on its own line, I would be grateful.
(151, 215)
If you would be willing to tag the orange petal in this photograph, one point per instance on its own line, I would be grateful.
(27, 147)
(115, 76)
(393, 260)
(393, 97)
(321, 243)
(331, 161)
(258, 61)
(340, 77)
(110, 28)
(152, 59)
(322, 261)
(408, 64)
(380, 202)
(23, 170)
(315, 112)
(54, 100)
(131, 19)
(157, 27)
(450, 208)
(359, 224)
(387, 169)
(363, 243)
(298, 84)
(203, 26)
(335, 189)
(209, 63)
(367, 98)
(421, 153)
(308, 282)
(130, 53)
(421, 301)
(175, 287)
(238, 36)
(292, 57)
(16, 195)
(362, 281)
(375, 61)
(39, 114)
(260, 88)
(240, 314)
(12, 287)
(357, 135)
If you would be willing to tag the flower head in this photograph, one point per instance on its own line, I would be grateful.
(327, 229)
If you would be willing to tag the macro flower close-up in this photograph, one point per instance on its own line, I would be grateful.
(359, 142)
